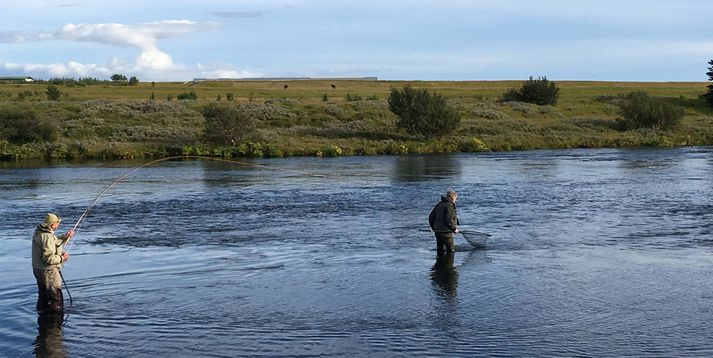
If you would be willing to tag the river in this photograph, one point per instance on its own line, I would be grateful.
(604, 252)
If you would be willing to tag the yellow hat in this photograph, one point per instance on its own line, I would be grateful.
(51, 219)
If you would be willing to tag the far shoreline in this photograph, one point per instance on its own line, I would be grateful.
(329, 118)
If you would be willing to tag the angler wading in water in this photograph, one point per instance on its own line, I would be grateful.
(443, 220)
(47, 260)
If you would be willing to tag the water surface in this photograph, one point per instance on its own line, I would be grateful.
(594, 253)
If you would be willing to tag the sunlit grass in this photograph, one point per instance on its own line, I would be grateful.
(312, 118)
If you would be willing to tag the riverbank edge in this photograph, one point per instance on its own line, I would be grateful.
(309, 120)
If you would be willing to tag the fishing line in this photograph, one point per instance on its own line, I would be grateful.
(66, 287)
(119, 179)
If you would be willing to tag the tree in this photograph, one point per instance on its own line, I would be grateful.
(709, 95)
(643, 111)
(117, 77)
(538, 90)
(133, 81)
(53, 93)
(226, 123)
(422, 113)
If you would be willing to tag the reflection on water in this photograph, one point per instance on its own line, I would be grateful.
(445, 276)
(593, 253)
(427, 167)
(49, 342)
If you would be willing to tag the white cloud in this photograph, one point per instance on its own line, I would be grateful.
(143, 37)
(222, 70)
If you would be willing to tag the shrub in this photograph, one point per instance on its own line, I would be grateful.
(329, 151)
(421, 113)
(230, 96)
(393, 148)
(642, 111)
(473, 144)
(187, 95)
(535, 90)
(226, 124)
(21, 126)
(53, 93)
(133, 81)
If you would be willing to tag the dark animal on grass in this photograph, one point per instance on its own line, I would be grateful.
(285, 87)
(333, 85)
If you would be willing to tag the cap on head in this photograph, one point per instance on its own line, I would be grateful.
(51, 219)
(451, 195)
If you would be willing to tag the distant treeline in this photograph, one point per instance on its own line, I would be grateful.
(85, 81)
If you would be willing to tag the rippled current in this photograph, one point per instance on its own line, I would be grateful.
(593, 253)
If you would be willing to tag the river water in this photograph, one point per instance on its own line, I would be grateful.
(593, 253)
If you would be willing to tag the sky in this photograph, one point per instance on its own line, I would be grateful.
(178, 40)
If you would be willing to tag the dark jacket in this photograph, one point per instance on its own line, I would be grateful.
(443, 217)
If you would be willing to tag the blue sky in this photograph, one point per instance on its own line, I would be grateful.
(177, 40)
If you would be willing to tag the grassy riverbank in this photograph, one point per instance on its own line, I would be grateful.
(312, 118)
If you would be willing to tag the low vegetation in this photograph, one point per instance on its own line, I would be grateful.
(107, 120)
(639, 110)
(538, 91)
(421, 113)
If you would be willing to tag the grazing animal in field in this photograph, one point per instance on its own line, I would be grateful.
(285, 87)
(333, 85)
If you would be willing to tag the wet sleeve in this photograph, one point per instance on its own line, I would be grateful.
(49, 251)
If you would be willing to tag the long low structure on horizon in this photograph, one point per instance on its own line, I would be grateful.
(248, 79)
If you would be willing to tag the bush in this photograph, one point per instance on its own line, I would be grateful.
(535, 90)
(421, 113)
(21, 126)
(187, 95)
(329, 151)
(226, 124)
(473, 144)
(642, 111)
(53, 93)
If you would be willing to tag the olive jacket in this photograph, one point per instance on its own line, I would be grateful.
(47, 248)
(443, 217)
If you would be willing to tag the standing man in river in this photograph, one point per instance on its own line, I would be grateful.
(443, 220)
(47, 259)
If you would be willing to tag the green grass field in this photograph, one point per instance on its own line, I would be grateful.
(311, 118)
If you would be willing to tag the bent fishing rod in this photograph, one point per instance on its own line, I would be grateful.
(122, 177)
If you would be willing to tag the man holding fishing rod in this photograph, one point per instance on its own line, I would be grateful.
(443, 220)
(47, 259)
